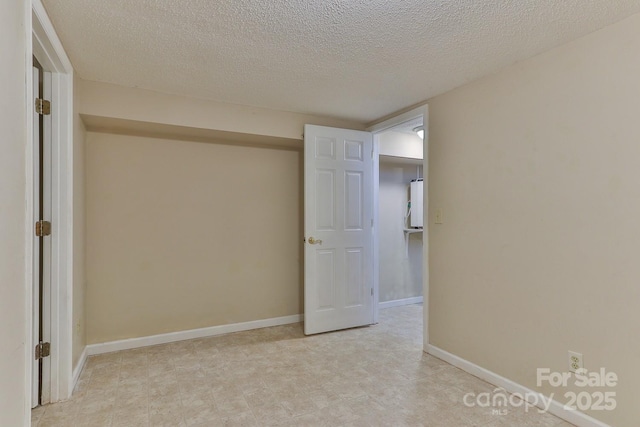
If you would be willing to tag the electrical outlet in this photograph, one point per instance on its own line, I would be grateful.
(439, 217)
(575, 361)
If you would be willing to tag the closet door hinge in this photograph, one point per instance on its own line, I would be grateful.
(43, 350)
(43, 228)
(43, 106)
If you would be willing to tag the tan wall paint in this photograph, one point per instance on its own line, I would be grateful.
(537, 171)
(14, 398)
(400, 272)
(184, 235)
(252, 272)
(79, 329)
(118, 102)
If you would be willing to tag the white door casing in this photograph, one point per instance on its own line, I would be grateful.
(47, 48)
(338, 290)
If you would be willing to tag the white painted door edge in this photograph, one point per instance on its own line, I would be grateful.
(556, 408)
(127, 344)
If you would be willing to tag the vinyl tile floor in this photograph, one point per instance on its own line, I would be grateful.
(370, 376)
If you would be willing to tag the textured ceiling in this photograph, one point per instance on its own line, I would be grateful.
(355, 59)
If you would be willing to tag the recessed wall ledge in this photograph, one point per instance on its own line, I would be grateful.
(116, 108)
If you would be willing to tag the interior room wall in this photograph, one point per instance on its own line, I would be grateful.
(78, 310)
(109, 101)
(257, 274)
(536, 171)
(184, 235)
(13, 123)
(400, 270)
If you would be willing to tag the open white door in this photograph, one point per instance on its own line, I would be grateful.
(338, 202)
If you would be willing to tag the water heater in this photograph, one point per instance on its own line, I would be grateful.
(416, 199)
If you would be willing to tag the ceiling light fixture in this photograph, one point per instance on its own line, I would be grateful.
(420, 131)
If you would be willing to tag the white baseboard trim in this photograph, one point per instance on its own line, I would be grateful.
(556, 408)
(130, 343)
(78, 369)
(399, 302)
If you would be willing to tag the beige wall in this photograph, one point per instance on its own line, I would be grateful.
(111, 102)
(184, 235)
(400, 270)
(14, 399)
(537, 170)
(79, 330)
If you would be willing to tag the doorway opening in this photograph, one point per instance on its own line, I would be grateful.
(400, 205)
(400, 163)
(342, 221)
(399, 231)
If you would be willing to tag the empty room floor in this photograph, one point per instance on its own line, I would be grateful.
(371, 376)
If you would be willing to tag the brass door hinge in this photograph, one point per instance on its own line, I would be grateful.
(43, 106)
(43, 350)
(43, 228)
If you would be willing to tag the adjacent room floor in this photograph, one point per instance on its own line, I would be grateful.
(372, 376)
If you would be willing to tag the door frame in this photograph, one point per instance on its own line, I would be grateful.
(43, 43)
(41, 316)
(377, 129)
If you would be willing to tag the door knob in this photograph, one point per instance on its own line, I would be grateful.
(313, 241)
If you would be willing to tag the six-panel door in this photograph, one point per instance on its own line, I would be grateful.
(338, 229)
